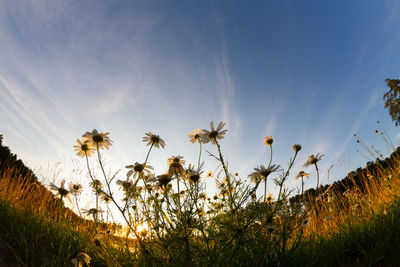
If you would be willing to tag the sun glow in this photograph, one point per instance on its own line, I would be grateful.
(142, 228)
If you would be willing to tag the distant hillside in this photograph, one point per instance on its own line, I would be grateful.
(9, 162)
(11, 166)
(355, 178)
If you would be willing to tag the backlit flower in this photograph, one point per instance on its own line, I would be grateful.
(61, 191)
(195, 135)
(82, 259)
(193, 175)
(268, 140)
(312, 160)
(138, 168)
(106, 198)
(209, 174)
(302, 174)
(262, 173)
(296, 147)
(92, 211)
(164, 179)
(125, 185)
(75, 188)
(176, 164)
(213, 134)
(84, 147)
(98, 140)
(153, 139)
(176, 159)
(269, 198)
(96, 186)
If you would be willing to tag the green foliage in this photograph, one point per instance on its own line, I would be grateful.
(338, 224)
(392, 99)
(35, 241)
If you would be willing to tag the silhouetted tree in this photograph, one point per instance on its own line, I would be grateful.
(392, 99)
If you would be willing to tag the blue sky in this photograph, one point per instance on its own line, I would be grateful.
(307, 72)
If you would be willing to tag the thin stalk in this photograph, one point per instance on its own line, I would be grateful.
(62, 206)
(269, 164)
(97, 199)
(316, 167)
(77, 205)
(119, 208)
(91, 177)
(87, 164)
(265, 188)
(101, 164)
(221, 159)
(148, 154)
(198, 163)
(283, 180)
(270, 157)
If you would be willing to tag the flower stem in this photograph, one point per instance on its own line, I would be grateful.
(269, 164)
(198, 164)
(101, 164)
(270, 157)
(285, 176)
(148, 154)
(265, 188)
(87, 164)
(77, 205)
(316, 167)
(221, 159)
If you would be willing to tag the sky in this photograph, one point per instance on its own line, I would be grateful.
(304, 72)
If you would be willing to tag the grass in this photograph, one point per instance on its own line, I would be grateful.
(357, 226)
(39, 231)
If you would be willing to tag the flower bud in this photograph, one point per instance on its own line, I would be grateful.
(296, 148)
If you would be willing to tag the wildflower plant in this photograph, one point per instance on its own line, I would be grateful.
(301, 176)
(60, 190)
(313, 160)
(180, 217)
(75, 189)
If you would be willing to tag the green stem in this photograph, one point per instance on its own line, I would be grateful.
(283, 181)
(228, 179)
(270, 157)
(77, 206)
(198, 164)
(101, 164)
(316, 167)
(112, 217)
(62, 206)
(91, 177)
(265, 188)
(148, 154)
(87, 164)
(97, 199)
(269, 164)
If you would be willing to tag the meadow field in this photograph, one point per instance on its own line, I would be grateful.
(354, 221)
